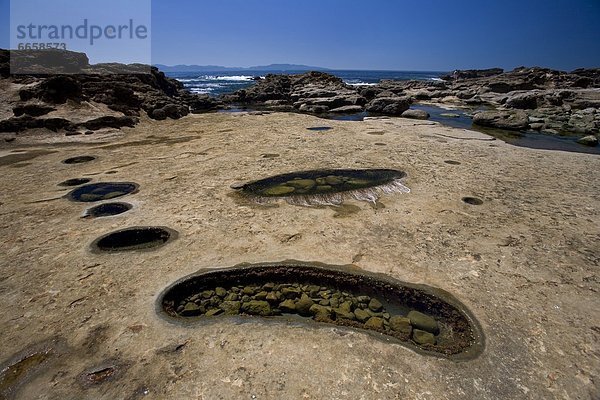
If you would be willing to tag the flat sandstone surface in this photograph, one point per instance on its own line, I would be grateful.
(525, 262)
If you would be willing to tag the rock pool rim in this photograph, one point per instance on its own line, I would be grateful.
(266, 270)
(78, 159)
(472, 201)
(378, 180)
(131, 188)
(166, 236)
(107, 210)
(75, 182)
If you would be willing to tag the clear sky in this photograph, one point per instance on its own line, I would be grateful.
(378, 34)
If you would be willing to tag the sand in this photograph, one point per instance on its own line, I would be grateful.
(524, 262)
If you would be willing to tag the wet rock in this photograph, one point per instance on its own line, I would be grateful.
(291, 292)
(191, 309)
(257, 307)
(303, 305)
(248, 291)
(213, 312)
(589, 140)
(361, 315)
(415, 114)
(422, 337)
(343, 314)
(511, 120)
(423, 322)
(207, 294)
(375, 305)
(305, 184)
(288, 306)
(221, 291)
(279, 190)
(231, 307)
(450, 115)
(374, 323)
(321, 313)
(261, 295)
(231, 297)
(269, 286)
(401, 324)
(272, 297)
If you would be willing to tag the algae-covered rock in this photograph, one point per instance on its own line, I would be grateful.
(288, 306)
(191, 309)
(261, 295)
(323, 188)
(401, 324)
(207, 294)
(291, 292)
(333, 180)
(343, 314)
(301, 184)
(374, 323)
(112, 195)
(375, 305)
(320, 312)
(221, 292)
(303, 305)
(232, 297)
(422, 337)
(278, 190)
(257, 307)
(272, 297)
(213, 312)
(90, 197)
(231, 307)
(423, 322)
(361, 315)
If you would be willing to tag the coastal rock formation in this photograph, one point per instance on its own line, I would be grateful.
(311, 92)
(68, 94)
(511, 120)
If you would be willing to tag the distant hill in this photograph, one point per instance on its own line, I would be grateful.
(217, 68)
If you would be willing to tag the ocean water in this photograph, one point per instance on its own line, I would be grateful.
(216, 83)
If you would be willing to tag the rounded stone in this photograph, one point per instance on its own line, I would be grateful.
(422, 337)
(423, 322)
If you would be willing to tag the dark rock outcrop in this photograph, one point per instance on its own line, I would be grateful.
(311, 92)
(511, 120)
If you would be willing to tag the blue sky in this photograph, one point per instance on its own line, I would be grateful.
(380, 34)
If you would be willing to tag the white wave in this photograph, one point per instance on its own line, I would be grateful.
(238, 78)
(205, 85)
(362, 84)
(201, 90)
(436, 79)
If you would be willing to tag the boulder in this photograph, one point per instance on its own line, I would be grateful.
(511, 120)
(389, 105)
(422, 337)
(589, 140)
(423, 322)
(415, 114)
(401, 324)
(257, 307)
